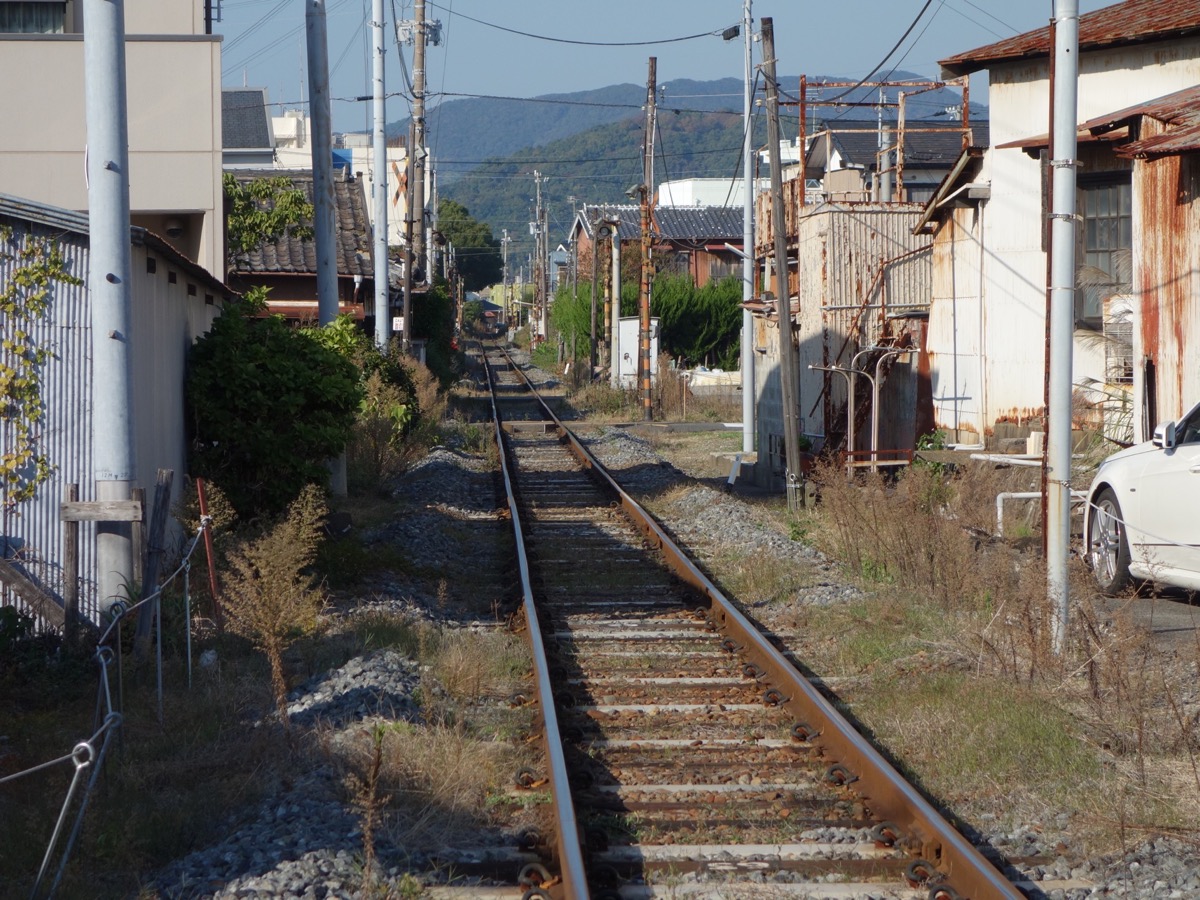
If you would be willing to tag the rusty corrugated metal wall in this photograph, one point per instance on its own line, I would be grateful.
(856, 266)
(170, 309)
(1166, 250)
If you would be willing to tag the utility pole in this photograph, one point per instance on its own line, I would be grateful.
(379, 183)
(406, 311)
(505, 298)
(418, 117)
(749, 263)
(614, 289)
(109, 285)
(325, 234)
(644, 296)
(324, 222)
(539, 286)
(783, 303)
(1062, 315)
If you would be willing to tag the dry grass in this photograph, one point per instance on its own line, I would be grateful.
(964, 683)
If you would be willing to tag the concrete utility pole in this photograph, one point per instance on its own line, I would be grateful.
(379, 184)
(1062, 315)
(324, 226)
(787, 353)
(418, 148)
(595, 287)
(646, 189)
(505, 298)
(409, 258)
(539, 294)
(749, 265)
(614, 286)
(109, 272)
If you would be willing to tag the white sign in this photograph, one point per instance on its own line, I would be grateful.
(629, 347)
(397, 323)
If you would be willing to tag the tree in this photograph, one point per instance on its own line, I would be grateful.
(476, 251)
(261, 210)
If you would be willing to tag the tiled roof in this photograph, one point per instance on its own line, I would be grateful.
(674, 223)
(858, 143)
(245, 124)
(294, 256)
(1131, 22)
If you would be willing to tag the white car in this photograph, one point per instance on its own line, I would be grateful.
(1141, 520)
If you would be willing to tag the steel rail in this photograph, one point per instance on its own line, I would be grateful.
(919, 827)
(568, 847)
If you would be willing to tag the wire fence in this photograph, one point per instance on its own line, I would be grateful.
(88, 755)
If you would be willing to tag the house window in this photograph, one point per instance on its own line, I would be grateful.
(1105, 240)
(32, 16)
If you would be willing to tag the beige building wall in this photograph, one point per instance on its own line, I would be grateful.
(173, 84)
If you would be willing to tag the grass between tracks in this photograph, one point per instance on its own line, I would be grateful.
(945, 658)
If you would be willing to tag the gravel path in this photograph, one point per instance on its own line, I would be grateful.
(304, 842)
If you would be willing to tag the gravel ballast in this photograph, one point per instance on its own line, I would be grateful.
(304, 841)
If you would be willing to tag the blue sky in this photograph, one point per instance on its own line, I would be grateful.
(264, 43)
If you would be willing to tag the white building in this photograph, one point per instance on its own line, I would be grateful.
(173, 72)
(987, 329)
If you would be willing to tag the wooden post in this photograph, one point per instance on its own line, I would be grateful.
(138, 536)
(70, 591)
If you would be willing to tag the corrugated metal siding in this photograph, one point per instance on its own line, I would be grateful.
(33, 532)
(166, 319)
(857, 263)
(1167, 223)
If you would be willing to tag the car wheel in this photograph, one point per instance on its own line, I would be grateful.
(1108, 548)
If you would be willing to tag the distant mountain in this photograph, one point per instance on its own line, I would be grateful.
(460, 131)
(588, 143)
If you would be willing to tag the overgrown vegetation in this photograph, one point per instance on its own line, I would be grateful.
(31, 271)
(269, 405)
(271, 596)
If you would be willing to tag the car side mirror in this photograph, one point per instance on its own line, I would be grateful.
(1164, 436)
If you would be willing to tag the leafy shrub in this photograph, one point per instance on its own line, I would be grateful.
(269, 405)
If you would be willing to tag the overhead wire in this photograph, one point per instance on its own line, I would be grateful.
(557, 40)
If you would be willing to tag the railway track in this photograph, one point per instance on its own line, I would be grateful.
(686, 756)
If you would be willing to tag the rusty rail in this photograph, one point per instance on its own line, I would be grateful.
(919, 828)
(567, 845)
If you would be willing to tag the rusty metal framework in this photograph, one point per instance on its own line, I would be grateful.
(903, 129)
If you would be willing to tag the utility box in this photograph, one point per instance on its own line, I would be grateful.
(629, 346)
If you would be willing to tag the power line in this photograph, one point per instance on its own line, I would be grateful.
(883, 61)
(556, 40)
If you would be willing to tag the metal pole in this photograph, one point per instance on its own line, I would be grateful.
(644, 295)
(109, 274)
(322, 161)
(748, 260)
(1062, 316)
(379, 184)
(787, 353)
